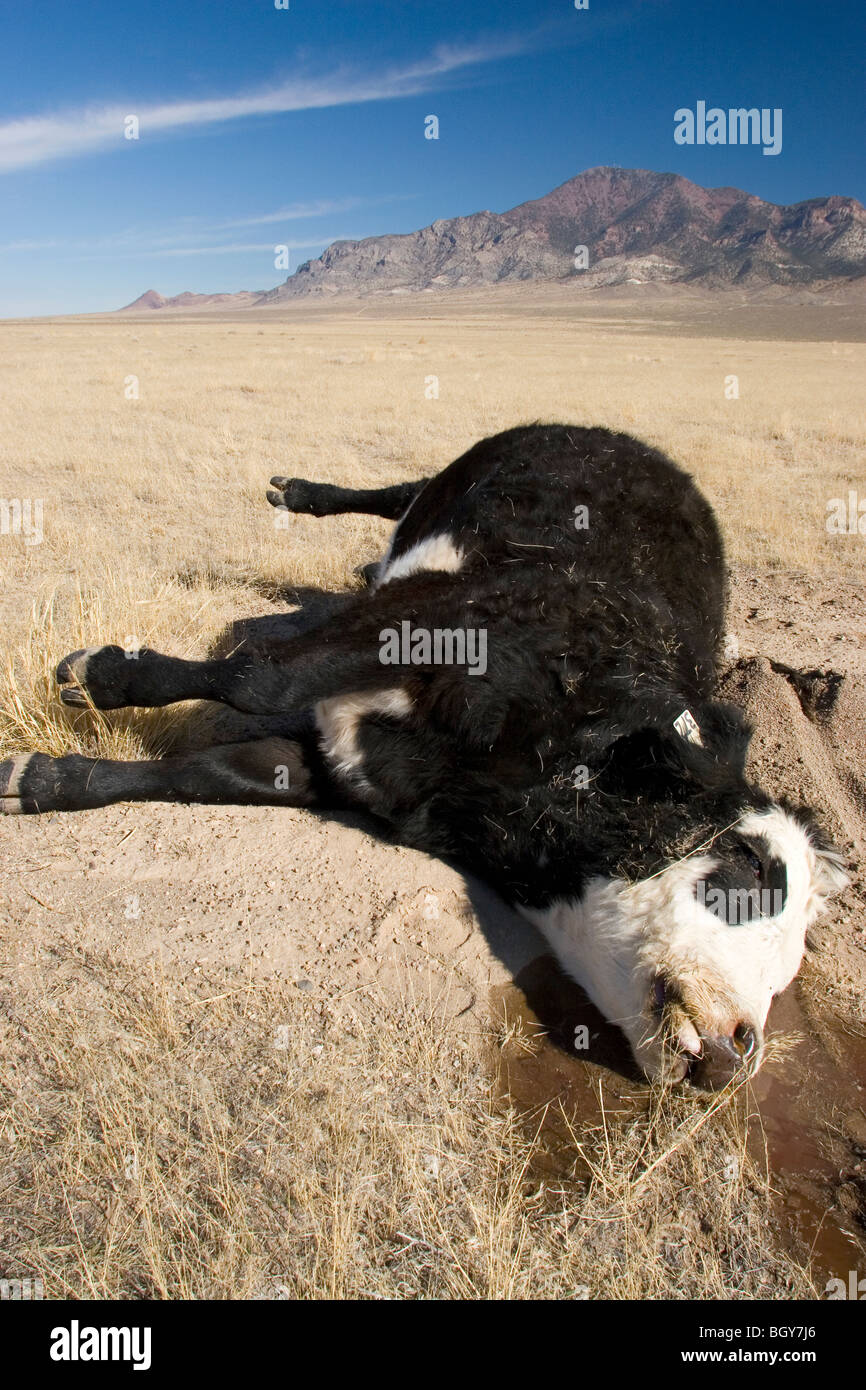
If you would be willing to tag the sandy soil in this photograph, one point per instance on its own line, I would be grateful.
(801, 677)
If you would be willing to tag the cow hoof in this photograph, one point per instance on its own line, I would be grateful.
(369, 573)
(11, 773)
(24, 782)
(295, 494)
(100, 676)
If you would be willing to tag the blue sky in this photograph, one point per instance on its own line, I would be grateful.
(261, 126)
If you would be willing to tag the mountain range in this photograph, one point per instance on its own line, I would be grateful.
(606, 226)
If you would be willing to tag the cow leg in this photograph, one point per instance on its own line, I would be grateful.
(262, 772)
(324, 499)
(340, 657)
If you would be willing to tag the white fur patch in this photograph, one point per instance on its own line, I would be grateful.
(619, 937)
(433, 553)
(337, 720)
(596, 944)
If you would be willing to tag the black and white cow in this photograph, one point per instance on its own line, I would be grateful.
(528, 689)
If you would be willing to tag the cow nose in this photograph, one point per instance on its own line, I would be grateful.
(746, 1041)
(724, 1054)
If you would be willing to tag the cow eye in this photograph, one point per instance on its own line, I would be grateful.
(752, 860)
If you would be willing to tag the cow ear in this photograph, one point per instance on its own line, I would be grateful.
(831, 872)
(712, 741)
(704, 744)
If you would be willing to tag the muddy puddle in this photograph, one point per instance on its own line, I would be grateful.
(805, 1113)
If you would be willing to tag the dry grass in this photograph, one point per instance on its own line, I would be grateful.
(154, 1141)
(239, 1142)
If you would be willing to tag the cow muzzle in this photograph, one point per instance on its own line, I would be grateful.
(700, 1046)
(726, 1054)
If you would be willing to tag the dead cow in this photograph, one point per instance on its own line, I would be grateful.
(560, 738)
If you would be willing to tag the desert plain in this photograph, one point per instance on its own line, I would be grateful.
(260, 1053)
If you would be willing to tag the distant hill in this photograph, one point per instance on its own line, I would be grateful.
(636, 226)
(152, 299)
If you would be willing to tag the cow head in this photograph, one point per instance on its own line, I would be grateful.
(716, 936)
(686, 958)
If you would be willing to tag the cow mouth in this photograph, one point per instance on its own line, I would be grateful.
(698, 1054)
(675, 1027)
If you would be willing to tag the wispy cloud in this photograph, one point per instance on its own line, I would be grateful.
(227, 249)
(300, 211)
(69, 134)
(185, 236)
(31, 246)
